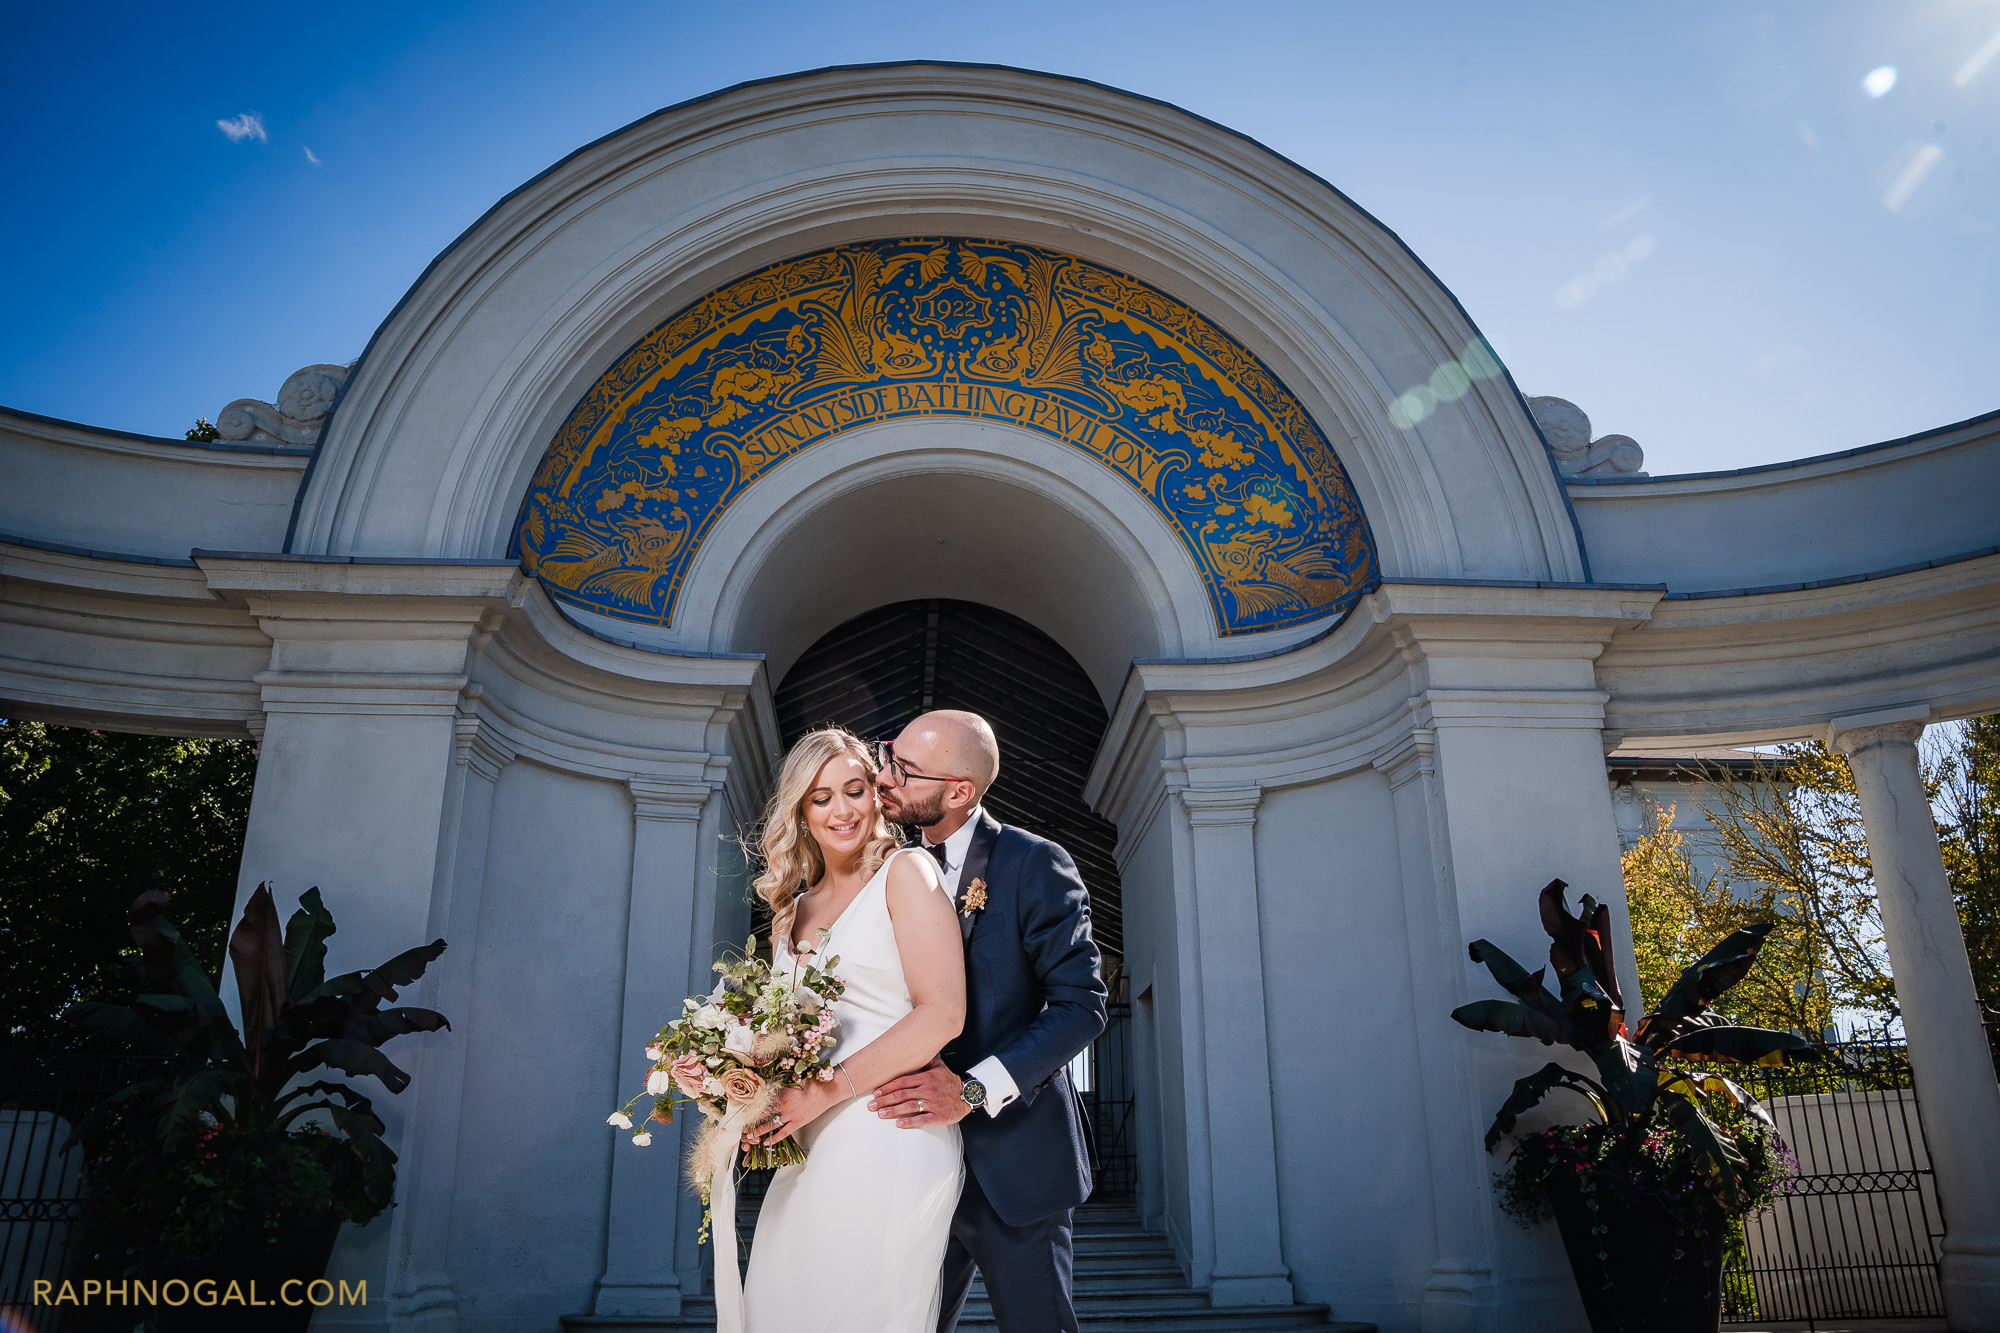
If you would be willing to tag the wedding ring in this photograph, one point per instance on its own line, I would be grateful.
(778, 1122)
(920, 1103)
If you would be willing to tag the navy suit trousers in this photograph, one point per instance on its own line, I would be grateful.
(1027, 1268)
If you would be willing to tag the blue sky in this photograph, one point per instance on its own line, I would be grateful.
(1702, 222)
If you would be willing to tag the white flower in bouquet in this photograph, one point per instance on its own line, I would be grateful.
(708, 1016)
(741, 1040)
(809, 1000)
(618, 1120)
(654, 1052)
(658, 1082)
(644, 1138)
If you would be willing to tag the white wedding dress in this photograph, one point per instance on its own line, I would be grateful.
(853, 1241)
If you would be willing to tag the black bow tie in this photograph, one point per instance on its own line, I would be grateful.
(937, 849)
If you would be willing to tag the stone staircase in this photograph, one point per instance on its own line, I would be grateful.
(1126, 1282)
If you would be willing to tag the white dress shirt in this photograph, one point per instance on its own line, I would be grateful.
(1000, 1086)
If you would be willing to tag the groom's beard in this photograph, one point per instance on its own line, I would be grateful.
(921, 814)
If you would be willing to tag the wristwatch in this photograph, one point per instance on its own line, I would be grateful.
(974, 1093)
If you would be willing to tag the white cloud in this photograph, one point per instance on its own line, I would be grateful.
(249, 125)
(312, 157)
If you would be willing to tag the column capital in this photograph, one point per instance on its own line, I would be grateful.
(1221, 805)
(1411, 756)
(670, 801)
(1848, 738)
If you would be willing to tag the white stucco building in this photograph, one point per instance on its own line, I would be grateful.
(1360, 688)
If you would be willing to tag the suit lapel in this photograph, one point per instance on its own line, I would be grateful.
(984, 835)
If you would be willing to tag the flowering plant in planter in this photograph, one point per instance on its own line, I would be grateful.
(1676, 1148)
(216, 1153)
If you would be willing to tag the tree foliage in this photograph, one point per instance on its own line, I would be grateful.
(1676, 911)
(1968, 801)
(1790, 847)
(89, 820)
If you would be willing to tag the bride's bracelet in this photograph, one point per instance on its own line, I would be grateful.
(852, 1090)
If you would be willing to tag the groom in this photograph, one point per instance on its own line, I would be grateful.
(1034, 999)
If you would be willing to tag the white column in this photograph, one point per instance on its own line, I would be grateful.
(669, 876)
(354, 774)
(1242, 1142)
(1956, 1092)
(1458, 1295)
(422, 1293)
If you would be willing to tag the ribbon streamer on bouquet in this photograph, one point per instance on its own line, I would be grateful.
(719, 1145)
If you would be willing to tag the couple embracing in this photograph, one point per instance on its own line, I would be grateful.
(950, 1137)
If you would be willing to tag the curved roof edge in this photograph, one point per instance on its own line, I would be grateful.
(213, 446)
(1838, 454)
(358, 365)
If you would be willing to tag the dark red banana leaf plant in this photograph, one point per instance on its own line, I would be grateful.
(1639, 1079)
(296, 1020)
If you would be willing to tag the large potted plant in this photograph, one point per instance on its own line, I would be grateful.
(1643, 1194)
(226, 1165)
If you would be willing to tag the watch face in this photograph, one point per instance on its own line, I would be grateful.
(974, 1093)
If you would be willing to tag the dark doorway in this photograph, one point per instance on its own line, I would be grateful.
(879, 670)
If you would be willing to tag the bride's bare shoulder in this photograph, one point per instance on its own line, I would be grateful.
(912, 877)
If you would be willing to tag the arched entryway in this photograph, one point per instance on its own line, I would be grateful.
(877, 671)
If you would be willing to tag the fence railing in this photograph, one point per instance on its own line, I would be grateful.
(44, 1091)
(1857, 1236)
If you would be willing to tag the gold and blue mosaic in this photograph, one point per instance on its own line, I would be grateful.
(704, 405)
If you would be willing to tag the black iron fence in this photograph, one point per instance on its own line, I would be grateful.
(1857, 1237)
(1106, 1088)
(44, 1091)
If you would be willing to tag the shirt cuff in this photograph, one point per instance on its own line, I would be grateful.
(1000, 1086)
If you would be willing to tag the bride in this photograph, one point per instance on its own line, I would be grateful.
(853, 1241)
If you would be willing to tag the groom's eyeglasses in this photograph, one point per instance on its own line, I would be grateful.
(885, 752)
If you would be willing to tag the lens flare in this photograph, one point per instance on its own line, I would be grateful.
(1878, 81)
(1921, 164)
(1479, 360)
(1448, 383)
(1979, 60)
(1608, 269)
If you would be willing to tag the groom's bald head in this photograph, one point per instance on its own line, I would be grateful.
(957, 743)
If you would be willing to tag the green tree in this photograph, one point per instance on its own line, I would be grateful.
(1790, 844)
(1677, 914)
(1968, 803)
(90, 820)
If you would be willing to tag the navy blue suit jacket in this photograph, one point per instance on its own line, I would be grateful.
(1034, 997)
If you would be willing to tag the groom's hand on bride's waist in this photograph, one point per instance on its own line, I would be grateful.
(931, 1096)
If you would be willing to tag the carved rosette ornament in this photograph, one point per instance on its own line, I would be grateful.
(296, 418)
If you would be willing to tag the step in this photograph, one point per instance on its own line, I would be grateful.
(1242, 1319)
(700, 1315)
(1107, 1303)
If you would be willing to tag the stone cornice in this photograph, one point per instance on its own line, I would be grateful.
(1412, 655)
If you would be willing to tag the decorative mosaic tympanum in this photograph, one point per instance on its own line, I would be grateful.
(703, 406)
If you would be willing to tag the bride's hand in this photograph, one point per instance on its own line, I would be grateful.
(794, 1110)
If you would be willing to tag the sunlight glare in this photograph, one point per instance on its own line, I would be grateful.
(1920, 165)
(1878, 81)
(1980, 60)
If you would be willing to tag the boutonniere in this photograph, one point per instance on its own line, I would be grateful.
(974, 898)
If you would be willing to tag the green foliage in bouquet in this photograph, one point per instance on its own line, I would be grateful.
(1667, 1132)
(733, 1050)
(217, 1139)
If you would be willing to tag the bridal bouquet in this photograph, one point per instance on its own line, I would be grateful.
(732, 1051)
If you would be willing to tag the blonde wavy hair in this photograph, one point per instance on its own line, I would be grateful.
(790, 856)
